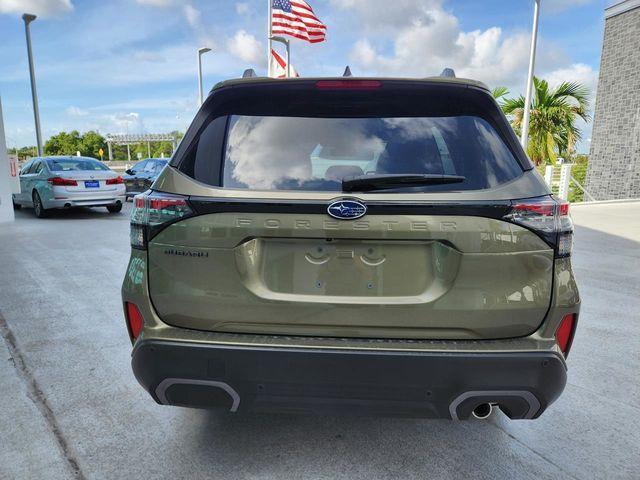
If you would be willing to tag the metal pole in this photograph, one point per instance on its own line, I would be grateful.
(128, 153)
(524, 137)
(269, 40)
(201, 51)
(287, 46)
(199, 78)
(28, 18)
(288, 58)
(148, 149)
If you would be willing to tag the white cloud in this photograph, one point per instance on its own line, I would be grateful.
(156, 3)
(381, 14)
(246, 47)
(426, 38)
(148, 56)
(435, 40)
(76, 111)
(578, 72)
(243, 8)
(44, 8)
(126, 122)
(192, 15)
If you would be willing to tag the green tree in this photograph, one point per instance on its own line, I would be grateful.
(91, 143)
(499, 93)
(69, 143)
(552, 126)
(64, 143)
(24, 152)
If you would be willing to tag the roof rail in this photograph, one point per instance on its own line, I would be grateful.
(448, 73)
(249, 73)
(347, 72)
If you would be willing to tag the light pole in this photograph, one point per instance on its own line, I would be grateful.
(201, 51)
(524, 136)
(28, 18)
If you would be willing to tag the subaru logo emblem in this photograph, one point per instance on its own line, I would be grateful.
(347, 209)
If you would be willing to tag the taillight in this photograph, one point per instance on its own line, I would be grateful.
(564, 333)
(134, 320)
(152, 211)
(62, 182)
(348, 84)
(548, 218)
(114, 181)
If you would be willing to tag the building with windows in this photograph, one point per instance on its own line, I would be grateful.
(614, 160)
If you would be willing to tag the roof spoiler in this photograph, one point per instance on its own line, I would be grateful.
(448, 73)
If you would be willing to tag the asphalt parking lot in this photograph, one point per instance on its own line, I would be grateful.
(72, 408)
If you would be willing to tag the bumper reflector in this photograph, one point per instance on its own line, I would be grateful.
(564, 334)
(134, 319)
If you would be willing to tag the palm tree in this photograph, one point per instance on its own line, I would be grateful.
(499, 93)
(552, 129)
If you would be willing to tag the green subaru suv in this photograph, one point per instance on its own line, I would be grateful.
(373, 246)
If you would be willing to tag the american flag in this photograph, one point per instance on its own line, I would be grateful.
(296, 18)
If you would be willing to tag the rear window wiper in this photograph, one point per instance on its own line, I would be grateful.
(368, 183)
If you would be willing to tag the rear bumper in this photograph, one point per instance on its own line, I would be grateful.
(87, 201)
(366, 382)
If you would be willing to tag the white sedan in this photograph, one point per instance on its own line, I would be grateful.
(63, 182)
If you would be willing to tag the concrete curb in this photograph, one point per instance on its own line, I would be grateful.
(605, 202)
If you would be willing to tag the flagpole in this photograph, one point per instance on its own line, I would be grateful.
(269, 40)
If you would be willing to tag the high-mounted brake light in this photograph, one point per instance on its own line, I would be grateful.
(114, 181)
(348, 84)
(134, 320)
(62, 182)
(564, 333)
(152, 211)
(547, 217)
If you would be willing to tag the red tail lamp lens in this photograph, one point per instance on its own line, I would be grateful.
(62, 182)
(114, 181)
(539, 208)
(135, 320)
(162, 203)
(564, 334)
(348, 84)
(563, 209)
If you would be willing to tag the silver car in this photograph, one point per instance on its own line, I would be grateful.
(63, 182)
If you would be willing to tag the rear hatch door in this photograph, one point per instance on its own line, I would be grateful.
(264, 251)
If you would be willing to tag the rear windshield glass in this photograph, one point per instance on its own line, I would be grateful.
(293, 153)
(72, 165)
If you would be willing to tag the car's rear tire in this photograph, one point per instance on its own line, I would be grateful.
(117, 208)
(16, 206)
(38, 208)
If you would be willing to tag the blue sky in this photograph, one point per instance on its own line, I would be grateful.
(130, 65)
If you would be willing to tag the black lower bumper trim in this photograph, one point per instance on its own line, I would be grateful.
(369, 382)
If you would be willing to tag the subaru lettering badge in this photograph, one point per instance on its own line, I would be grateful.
(347, 209)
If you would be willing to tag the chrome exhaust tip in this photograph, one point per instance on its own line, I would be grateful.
(482, 411)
